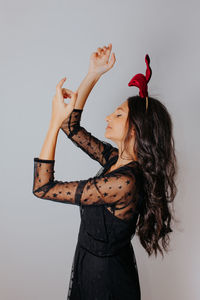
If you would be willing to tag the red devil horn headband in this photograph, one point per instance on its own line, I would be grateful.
(141, 81)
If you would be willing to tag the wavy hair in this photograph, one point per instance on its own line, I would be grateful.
(155, 150)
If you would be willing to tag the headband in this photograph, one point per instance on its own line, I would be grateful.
(140, 81)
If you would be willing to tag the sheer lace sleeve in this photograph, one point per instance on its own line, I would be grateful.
(95, 148)
(115, 188)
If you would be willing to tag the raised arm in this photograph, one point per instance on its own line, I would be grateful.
(95, 148)
(98, 150)
(115, 188)
(100, 63)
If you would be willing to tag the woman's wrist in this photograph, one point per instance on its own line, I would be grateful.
(93, 75)
(54, 126)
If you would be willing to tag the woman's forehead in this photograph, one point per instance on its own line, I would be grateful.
(124, 105)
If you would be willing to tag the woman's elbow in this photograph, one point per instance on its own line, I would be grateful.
(37, 194)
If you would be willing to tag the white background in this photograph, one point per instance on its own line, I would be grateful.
(43, 41)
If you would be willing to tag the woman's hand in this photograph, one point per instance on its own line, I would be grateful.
(61, 110)
(99, 61)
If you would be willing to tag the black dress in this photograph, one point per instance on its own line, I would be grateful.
(104, 265)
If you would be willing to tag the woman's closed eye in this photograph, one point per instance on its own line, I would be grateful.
(118, 115)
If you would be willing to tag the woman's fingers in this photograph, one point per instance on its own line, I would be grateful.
(70, 94)
(104, 50)
(108, 50)
(60, 83)
(112, 61)
(99, 51)
(101, 61)
(70, 106)
(59, 87)
(67, 93)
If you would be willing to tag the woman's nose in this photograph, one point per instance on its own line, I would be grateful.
(108, 119)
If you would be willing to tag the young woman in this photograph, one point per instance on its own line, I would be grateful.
(130, 194)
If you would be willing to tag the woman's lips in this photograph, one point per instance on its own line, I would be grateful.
(108, 127)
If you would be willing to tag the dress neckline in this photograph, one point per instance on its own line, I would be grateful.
(113, 160)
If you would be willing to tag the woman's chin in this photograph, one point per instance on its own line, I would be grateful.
(107, 135)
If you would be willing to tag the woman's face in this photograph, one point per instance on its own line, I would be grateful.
(117, 126)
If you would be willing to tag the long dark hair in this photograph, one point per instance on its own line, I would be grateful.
(155, 150)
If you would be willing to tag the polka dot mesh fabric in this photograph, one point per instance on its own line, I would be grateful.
(116, 188)
(98, 150)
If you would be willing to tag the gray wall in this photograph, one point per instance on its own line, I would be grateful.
(43, 41)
